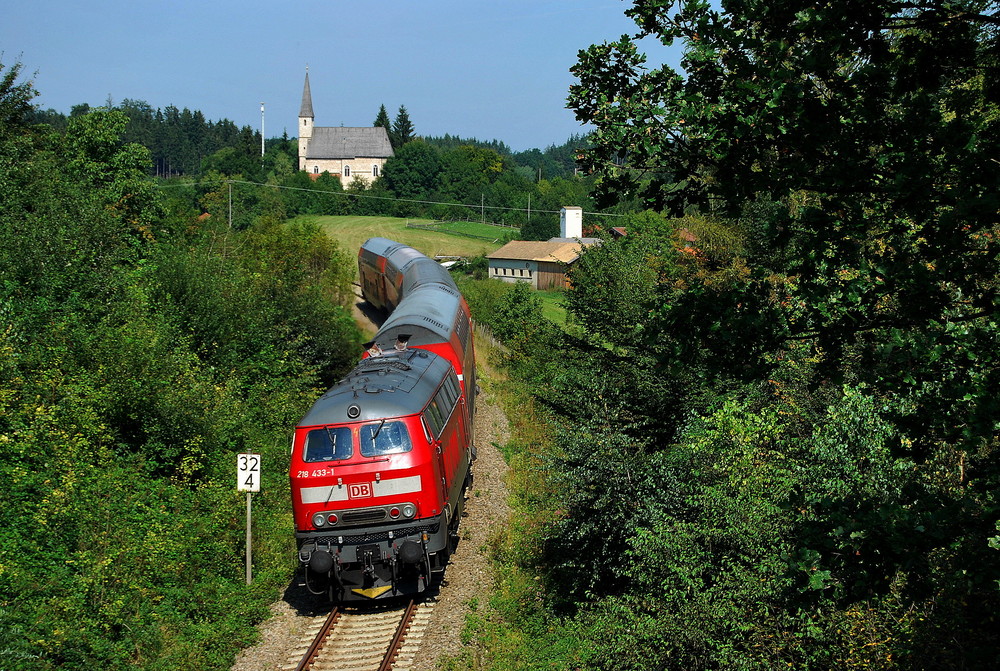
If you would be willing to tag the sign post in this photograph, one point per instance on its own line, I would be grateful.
(248, 480)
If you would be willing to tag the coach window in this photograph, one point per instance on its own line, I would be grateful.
(440, 413)
(445, 398)
(332, 443)
(384, 438)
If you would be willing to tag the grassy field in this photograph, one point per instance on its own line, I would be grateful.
(552, 306)
(350, 232)
(496, 234)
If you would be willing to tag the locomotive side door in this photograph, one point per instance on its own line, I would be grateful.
(441, 415)
(432, 432)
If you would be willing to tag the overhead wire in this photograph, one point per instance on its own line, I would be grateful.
(388, 198)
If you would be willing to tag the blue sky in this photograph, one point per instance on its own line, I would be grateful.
(474, 68)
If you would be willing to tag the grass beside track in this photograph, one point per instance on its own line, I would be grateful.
(350, 232)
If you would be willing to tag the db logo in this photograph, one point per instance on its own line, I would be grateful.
(360, 490)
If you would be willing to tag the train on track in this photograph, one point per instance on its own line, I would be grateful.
(381, 461)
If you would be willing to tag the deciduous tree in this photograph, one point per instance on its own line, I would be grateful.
(873, 126)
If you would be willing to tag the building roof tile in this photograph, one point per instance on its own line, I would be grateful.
(349, 142)
(523, 250)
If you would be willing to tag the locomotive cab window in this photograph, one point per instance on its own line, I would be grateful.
(384, 438)
(439, 410)
(434, 419)
(332, 443)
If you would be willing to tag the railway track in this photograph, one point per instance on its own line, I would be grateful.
(354, 639)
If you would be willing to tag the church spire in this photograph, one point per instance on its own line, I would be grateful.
(306, 110)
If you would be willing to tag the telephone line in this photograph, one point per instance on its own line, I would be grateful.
(392, 198)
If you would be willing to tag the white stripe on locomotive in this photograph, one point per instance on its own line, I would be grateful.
(390, 487)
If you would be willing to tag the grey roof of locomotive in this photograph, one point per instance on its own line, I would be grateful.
(391, 385)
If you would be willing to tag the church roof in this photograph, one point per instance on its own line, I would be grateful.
(349, 142)
(307, 100)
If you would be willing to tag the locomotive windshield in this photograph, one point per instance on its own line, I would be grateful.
(384, 437)
(331, 443)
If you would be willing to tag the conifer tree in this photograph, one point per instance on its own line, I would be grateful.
(382, 120)
(402, 128)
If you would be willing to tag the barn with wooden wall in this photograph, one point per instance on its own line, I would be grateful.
(541, 264)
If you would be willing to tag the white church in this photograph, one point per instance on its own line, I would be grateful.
(344, 152)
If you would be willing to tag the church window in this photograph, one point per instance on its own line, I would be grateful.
(374, 169)
(347, 171)
(315, 169)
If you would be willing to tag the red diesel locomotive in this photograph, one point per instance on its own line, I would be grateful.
(380, 463)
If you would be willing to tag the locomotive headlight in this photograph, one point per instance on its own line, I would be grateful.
(409, 510)
(319, 520)
(394, 512)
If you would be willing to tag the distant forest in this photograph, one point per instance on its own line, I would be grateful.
(183, 142)
(179, 140)
(216, 164)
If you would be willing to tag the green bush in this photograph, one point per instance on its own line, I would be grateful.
(138, 356)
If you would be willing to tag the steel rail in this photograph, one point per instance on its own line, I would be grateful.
(314, 649)
(398, 637)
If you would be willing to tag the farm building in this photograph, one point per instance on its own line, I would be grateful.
(541, 264)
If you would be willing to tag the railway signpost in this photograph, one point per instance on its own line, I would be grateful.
(248, 480)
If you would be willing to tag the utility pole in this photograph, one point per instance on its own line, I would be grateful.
(262, 129)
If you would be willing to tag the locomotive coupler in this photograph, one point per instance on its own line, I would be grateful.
(367, 557)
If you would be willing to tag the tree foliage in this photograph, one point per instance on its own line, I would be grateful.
(777, 433)
(382, 119)
(15, 98)
(402, 128)
(875, 126)
(139, 352)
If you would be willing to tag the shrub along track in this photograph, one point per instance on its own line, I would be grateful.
(468, 575)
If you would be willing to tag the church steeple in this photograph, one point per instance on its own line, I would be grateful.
(306, 110)
(305, 122)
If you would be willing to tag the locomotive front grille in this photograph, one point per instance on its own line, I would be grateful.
(372, 536)
(364, 516)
